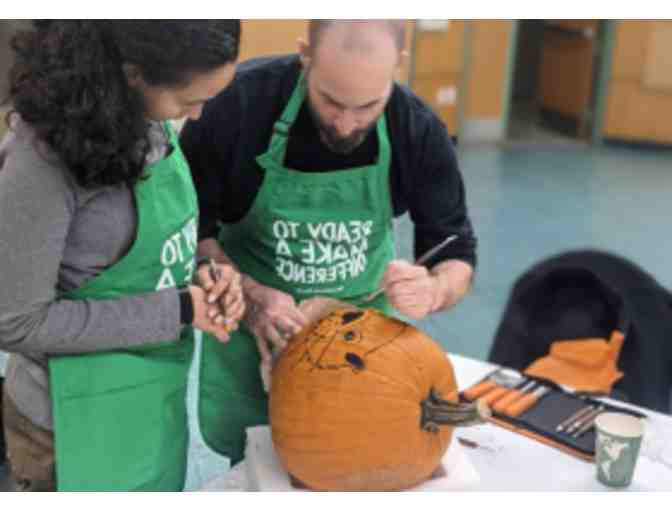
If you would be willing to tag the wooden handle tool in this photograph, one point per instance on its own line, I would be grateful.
(527, 401)
(512, 396)
(480, 389)
(494, 395)
(501, 380)
(501, 391)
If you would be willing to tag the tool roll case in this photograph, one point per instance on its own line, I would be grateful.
(554, 407)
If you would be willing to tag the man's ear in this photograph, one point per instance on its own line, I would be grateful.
(404, 58)
(304, 53)
(133, 75)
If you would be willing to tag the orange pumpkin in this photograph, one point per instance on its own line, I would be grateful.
(361, 401)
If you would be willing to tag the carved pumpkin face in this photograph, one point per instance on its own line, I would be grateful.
(342, 342)
(353, 401)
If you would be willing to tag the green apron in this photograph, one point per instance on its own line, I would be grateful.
(307, 234)
(120, 420)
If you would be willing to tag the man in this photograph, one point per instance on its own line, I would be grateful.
(305, 160)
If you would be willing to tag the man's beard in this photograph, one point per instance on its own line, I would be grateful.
(335, 142)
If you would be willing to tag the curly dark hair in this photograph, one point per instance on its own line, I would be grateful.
(68, 83)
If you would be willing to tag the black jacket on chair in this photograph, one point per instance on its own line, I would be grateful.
(588, 294)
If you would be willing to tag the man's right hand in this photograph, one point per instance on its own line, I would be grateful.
(272, 316)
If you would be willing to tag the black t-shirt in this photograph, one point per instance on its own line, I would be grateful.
(236, 127)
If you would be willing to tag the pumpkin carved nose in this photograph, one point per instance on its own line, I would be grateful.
(355, 361)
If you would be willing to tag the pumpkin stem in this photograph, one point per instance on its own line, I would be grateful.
(436, 412)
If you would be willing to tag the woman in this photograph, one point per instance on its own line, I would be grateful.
(97, 243)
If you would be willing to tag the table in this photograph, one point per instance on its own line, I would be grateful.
(506, 461)
(515, 463)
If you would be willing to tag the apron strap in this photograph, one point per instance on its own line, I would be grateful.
(384, 150)
(278, 145)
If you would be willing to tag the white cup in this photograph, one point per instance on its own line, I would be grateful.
(618, 437)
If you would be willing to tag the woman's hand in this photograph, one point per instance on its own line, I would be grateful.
(206, 316)
(223, 294)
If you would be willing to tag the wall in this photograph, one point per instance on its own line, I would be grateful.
(271, 37)
(486, 80)
(7, 27)
(438, 68)
(639, 95)
(280, 37)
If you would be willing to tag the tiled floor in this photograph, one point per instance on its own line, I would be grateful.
(527, 204)
(526, 127)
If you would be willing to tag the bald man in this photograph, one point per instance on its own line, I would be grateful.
(301, 166)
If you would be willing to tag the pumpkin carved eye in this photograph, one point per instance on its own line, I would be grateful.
(351, 316)
(355, 361)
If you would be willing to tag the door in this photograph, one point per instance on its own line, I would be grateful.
(568, 71)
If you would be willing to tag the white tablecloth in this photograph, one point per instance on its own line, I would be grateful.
(511, 462)
(506, 461)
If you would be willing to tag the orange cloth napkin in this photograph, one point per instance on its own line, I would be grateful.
(586, 365)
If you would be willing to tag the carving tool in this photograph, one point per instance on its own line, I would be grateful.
(419, 262)
(527, 401)
(502, 389)
(577, 415)
(473, 444)
(588, 423)
(512, 396)
(581, 421)
(492, 382)
(215, 274)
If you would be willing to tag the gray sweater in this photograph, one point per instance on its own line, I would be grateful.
(55, 236)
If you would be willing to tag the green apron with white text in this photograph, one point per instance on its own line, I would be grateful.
(308, 234)
(120, 420)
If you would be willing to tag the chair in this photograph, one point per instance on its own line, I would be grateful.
(589, 294)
